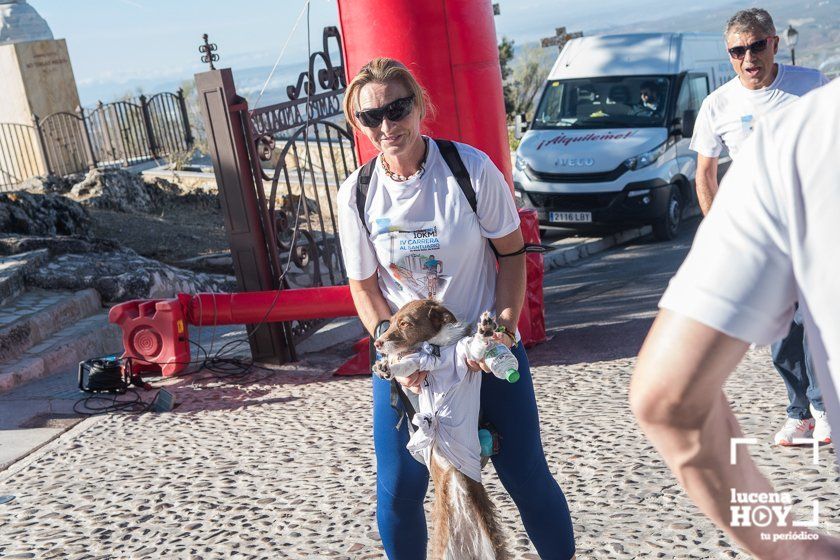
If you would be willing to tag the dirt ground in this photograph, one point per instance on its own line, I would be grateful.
(186, 226)
(179, 231)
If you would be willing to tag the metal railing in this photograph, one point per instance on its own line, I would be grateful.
(20, 155)
(115, 134)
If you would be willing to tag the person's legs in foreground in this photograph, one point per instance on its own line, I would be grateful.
(521, 464)
(791, 359)
(401, 481)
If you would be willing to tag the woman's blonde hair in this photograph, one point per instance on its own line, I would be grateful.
(383, 70)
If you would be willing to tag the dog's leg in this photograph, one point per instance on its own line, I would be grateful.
(382, 369)
(487, 521)
(487, 324)
(441, 511)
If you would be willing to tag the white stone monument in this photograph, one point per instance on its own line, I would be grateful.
(20, 22)
(37, 78)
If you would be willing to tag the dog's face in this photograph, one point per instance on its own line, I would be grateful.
(417, 322)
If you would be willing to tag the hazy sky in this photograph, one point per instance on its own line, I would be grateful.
(120, 40)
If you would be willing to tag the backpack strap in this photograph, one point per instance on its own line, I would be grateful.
(398, 395)
(362, 185)
(456, 165)
(450, 155)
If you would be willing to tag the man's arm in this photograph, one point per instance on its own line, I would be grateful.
(677, 396)
(707, 183)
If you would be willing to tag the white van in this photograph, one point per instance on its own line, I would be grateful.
(609, 140)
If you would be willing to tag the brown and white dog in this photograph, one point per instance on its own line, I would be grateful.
(464, 520)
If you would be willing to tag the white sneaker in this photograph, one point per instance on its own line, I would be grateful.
(794, 429)
(822, 430)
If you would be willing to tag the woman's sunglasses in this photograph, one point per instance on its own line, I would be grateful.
(738, 53)
(393, 111)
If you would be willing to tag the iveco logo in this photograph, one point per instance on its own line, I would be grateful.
(574, 162)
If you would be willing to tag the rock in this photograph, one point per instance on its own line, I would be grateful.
(13, 244)
(293, 204)
(123, 191)
(122, 275)
(204, 196)
(221, 263)
(120, 190)
(51, 184)
(42, 214)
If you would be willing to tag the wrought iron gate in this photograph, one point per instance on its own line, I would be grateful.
(308, 151)
(298, 152)
(67, 143)
(115, 134)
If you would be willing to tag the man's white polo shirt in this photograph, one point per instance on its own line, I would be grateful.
(772, 238)
(729, 114)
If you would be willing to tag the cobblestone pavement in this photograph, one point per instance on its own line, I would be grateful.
(283, 467)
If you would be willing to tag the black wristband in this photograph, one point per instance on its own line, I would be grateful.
(513, 254)
(381, 327)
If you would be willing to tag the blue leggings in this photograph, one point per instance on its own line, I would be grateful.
(401, 481)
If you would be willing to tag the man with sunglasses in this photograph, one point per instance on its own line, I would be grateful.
(726, 118)
(761, 86)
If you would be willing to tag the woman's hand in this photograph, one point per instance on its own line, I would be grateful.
(480, 365)
(477, 365)
(413, 382)
(502, 337)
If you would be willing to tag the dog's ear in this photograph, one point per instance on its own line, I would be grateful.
(440, 316)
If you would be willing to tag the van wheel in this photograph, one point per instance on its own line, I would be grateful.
(667, 227)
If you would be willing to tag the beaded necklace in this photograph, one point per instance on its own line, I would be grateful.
(394, 176)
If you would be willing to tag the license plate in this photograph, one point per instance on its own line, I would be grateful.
(570, 217)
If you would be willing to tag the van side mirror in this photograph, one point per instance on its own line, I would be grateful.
(520, 125)
(689, 116)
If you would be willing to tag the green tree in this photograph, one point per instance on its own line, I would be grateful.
(528, 73)
(505, 58)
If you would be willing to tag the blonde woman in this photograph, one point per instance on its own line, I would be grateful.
(399, 213)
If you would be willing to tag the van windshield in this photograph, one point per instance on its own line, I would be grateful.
(605, 102)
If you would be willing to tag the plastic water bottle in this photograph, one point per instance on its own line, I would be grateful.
(496, 355)
(502, 362)
(485, 439)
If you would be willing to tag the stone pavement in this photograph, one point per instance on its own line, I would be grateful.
(281, 466)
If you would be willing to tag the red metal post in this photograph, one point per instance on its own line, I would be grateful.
(271, 306)
(451, 48)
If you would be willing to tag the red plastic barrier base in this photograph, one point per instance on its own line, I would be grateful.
(532, 319)
(359, 364)
(156, 336)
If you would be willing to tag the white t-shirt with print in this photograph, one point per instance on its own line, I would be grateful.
(425, 240)
(729, 114)
(771, 239)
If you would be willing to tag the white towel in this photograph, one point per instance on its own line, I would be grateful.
(447, 415)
